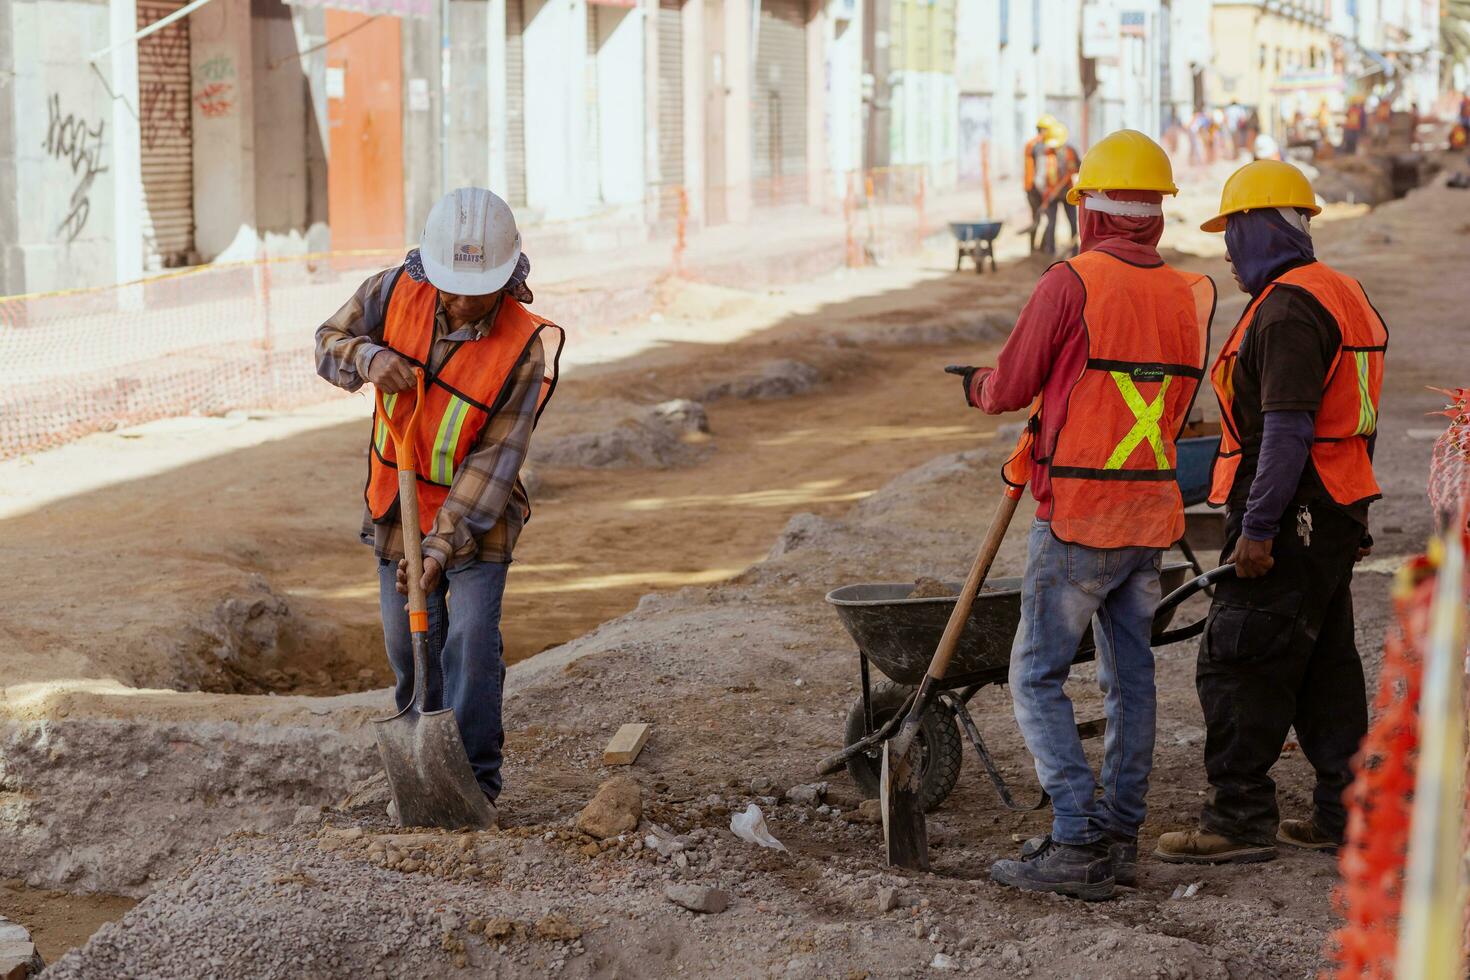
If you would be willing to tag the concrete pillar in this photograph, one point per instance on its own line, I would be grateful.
(738, 70)
(469, 103)
(695, 59)
(621, 98)
(816, 103)
(224, 131)
(421, 102)
(12, 260)
(496, 106)
(555, 42)
(127, 160)
(72, 148)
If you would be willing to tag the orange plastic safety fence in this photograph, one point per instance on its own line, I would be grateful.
(202, 341)
(1371, 861)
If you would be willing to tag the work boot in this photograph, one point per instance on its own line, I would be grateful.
(1080, 870)
(1306, 835)
(1203, 847)
(1122, 851)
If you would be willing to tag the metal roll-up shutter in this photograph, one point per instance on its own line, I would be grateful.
(166, 134)
(670, 107)
(778, 117)
(515, 105)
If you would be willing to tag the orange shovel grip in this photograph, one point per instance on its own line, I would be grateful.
(403, 438)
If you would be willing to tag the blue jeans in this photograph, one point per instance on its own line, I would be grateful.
(466, 662)
(1068, 586)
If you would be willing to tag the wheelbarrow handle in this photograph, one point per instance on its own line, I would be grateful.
(1194, 585)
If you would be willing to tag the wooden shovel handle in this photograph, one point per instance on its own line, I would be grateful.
(408, 505)
(939, 665)
(979, 571)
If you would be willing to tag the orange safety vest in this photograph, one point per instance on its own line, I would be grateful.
(459, 397)
(1112, 469)
(1348, 414)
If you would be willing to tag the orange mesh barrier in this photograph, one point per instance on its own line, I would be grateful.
(1371, 862)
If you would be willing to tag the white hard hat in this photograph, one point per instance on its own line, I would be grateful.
(470, 244)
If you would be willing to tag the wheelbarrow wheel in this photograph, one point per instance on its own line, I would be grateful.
(940, 749)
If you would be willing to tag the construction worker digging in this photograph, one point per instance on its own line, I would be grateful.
(1114, 342)
(454, 310)
(1049, 167)
(1298, 382)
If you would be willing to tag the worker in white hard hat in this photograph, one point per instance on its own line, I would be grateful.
(455, 309)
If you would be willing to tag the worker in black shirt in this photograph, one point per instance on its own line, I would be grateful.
(1298, 382)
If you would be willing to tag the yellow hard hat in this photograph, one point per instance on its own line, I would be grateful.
(1263, 184)
(1056, 136)
(1124, 161)
(1046, 122)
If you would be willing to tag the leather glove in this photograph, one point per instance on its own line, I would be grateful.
(967, 376)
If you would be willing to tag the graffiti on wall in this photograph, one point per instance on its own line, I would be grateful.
(72, 140)
(214, 87)
(163, 106)
(215, 99)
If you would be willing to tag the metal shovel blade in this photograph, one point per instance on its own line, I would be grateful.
(905, 835)
(428, 772)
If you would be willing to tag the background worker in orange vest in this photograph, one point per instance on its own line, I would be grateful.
(1049, 167)
(455, 309)
(1352, 126)
(1298, 382)
(1114, 342)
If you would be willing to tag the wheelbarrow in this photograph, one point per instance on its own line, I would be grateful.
(897, 635)
(1193, 468)
(975, 240)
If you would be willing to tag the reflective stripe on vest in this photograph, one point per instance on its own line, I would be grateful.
(460, 395)
(1147, 415)
(1349, 410)
(1112, 468)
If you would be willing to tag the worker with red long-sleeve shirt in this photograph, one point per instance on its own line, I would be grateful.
(1114, 342)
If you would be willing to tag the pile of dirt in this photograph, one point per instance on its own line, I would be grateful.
(673, 433)
(1364, 179)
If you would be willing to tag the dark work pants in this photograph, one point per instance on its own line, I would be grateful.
(1279, 652)
(1033, 200)
(1049, 237)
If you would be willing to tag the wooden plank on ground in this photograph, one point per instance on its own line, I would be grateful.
(625, 745)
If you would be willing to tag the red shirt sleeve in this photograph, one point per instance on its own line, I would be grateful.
(1051, 317)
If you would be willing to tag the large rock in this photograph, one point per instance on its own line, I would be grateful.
(18, 956)
(615, 809)
(698, 898)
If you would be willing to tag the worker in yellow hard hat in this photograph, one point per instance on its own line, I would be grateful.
(1113, 341)
(1050, 163)
(1298, 382)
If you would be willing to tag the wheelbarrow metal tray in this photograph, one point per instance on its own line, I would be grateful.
(899, 634)
(971, 231)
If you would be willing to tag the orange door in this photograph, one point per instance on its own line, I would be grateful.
(365, 116)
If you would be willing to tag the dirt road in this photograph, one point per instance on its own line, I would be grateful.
(745, 680)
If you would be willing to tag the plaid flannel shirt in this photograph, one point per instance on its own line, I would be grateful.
(487, 504)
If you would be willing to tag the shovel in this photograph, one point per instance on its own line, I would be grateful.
(904, 833)
(423, 754)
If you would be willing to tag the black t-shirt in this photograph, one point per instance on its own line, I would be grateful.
(1282, 366)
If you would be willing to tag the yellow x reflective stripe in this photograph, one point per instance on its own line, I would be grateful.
(441, 466)
(380, 436)
(1367, 411)
(1146, 426)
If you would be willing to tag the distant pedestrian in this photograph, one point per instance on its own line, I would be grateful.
(1352, 126)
